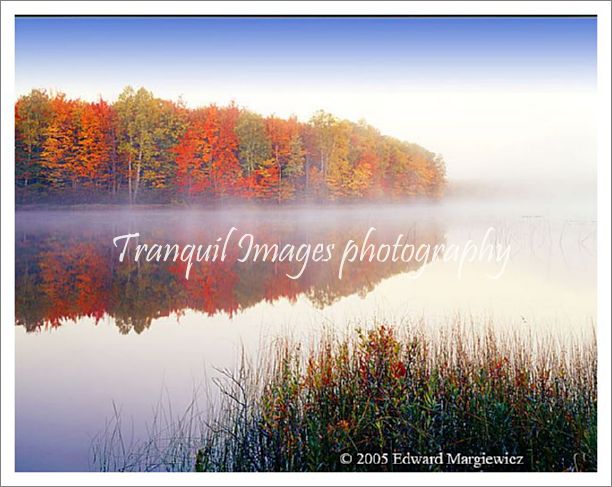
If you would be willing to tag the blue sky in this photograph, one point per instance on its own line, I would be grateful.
(440, 82)
(105, 53)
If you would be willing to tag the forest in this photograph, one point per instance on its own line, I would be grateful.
(143, 149)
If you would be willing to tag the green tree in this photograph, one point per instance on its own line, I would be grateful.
(324, 124)
(254, 144)
(161, 170)
(339, 171)
(297, 158)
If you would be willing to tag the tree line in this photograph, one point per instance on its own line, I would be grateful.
(142, 148)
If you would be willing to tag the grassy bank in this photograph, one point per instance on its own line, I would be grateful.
(380, 392)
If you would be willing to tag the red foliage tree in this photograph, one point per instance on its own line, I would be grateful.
(206, 156)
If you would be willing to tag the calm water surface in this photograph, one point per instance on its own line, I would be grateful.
(92, 331)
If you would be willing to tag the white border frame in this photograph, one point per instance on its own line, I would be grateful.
(10, 9)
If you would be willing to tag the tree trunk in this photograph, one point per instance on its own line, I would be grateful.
(280, 173)
(130, 178)
(113, 167)
(138, 166)
(280, 180)
(114, 176)
(29, 164)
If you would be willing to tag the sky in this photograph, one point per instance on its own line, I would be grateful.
(499, 98)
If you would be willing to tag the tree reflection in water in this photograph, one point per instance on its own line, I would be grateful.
(68, 271)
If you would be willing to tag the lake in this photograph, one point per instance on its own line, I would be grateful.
(94, 333)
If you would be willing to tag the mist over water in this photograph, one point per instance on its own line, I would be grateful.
(92, 330)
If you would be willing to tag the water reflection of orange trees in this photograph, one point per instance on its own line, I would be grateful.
(63, 279)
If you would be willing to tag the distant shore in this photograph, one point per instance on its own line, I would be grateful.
(228, 203)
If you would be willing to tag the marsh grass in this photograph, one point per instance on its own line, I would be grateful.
(382, 391)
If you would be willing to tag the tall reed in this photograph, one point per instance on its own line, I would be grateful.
(383, 391)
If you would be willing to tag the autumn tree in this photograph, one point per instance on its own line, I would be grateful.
(294, 167)
(59, 157)
(94, 152)
(368, 167)
(227, 173)
(193, 155)
(263, 182)
(33, 113)
(138, 116)
(285, 148)
(206, 155)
